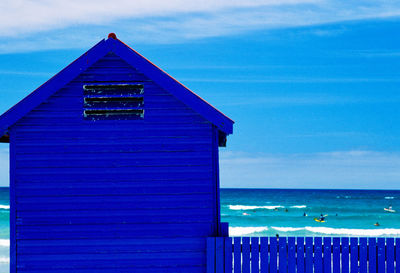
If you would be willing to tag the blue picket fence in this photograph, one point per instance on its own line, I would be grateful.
(302, 255)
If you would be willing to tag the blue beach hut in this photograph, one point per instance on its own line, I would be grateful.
(113, 168)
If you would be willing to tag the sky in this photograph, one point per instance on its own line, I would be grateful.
(312, 85)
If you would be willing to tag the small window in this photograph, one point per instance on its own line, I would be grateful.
(116, 101)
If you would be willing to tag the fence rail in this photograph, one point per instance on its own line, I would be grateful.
(302, 255)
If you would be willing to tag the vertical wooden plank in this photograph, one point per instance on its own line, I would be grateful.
(282, 255)
(13, 218)
(210, 255)
(273, 251)
(291, 255)
(327, 255)
(353, 255)
(309, 255)
(381, 255)
(246, 255)
(228, 255)
(264, 254)
(216, 177)
(397, 255)
(300, 255)
(336, 255)
(363, 255)
(317, 254)
(390, 255)
(255, 254)
(345, 255)
(237, 254)
(219, 255)
(372, 255)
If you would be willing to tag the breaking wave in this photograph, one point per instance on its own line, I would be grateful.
(342, 231)
(240, 231)
(240, 207)
(317, 231)
(4, 207)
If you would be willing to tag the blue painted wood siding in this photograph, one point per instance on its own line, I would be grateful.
(114, 196)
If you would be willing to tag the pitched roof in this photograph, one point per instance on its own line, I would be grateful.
(222, 122)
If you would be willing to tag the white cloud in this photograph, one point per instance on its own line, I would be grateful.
(342, 169)
(33, 25)
(22, 16)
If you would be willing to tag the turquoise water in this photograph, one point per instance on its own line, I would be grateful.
(267, 212)
(4, 230)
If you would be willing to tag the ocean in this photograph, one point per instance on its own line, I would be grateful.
(267, 212)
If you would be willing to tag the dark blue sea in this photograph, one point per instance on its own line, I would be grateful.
(267, 212)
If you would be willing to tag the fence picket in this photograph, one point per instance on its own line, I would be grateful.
(327, 255)
(228, 255)
(363, 255)
(397, 255)
(264, 254)
(300, 255)
(345, 255)
(336, 255)
(291, 255)
(219, 255)
(255, 251)
(237, 255)
(372, 254)
(273, 250)
(246, 255)
(317, 254)
(354, 255)
(390, 255)
(282, 255)
(381, 255)
(210, 255)
(309, 254)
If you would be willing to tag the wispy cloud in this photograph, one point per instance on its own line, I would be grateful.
(271, 100)
(341, 169)
(25, 73)
(291, 80)
(43, 24)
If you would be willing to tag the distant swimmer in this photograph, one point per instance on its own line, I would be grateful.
(286, 210)
(304, 214)
(275, 209)
(377, 224)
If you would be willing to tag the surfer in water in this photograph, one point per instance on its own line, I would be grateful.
(322, 217)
